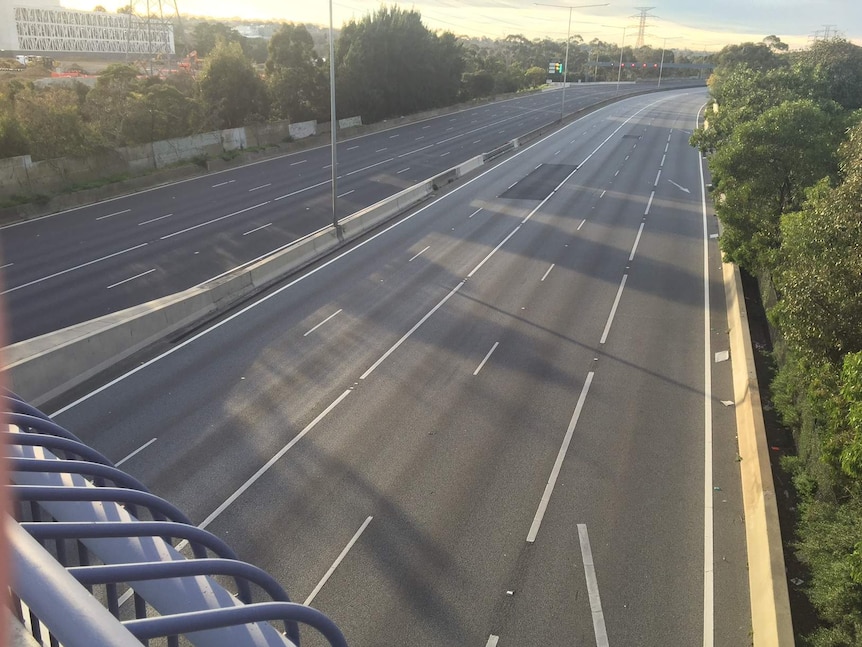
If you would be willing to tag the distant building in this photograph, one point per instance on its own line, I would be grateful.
(44, 27)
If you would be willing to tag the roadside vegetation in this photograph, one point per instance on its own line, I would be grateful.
(784, 138)
(388, 64)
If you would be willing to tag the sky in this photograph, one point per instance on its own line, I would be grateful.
(692, 24)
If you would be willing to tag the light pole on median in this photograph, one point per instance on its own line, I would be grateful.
(620, 70)
(333, 123)
(661, 67)
(568, 37)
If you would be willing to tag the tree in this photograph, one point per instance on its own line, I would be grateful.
(13, 141)
(763, 170)
(774, 43)
(298, 85)
(232, 92)
(836, 67)
(535, 76)
(52, 123)
(100, 9)
(758, 56)
(206, 35)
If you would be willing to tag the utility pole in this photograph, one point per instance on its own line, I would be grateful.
(568, 37)
(644, 14)
(620, 70)
(333, 123)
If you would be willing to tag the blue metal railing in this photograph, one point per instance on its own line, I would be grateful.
(89, 537)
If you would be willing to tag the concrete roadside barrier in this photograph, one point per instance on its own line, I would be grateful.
(771, 622)
(45, 367)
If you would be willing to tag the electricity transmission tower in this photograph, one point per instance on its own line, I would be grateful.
(150, 30)
(644, 14)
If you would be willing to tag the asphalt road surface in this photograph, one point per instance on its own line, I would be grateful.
(91, 261)
(497, 421)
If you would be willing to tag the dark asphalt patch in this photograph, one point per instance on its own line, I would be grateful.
(539, 184)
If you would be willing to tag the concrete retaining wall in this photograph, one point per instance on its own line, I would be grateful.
(350, 122)
(43, 368)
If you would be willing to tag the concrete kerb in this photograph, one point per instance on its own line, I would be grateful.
(771, 621)
(45, 367)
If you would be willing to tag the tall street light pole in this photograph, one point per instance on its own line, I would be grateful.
(568, 37)
(661, 67)
(620, 70)
(333, 123)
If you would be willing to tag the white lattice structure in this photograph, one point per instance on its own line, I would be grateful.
(48, 28)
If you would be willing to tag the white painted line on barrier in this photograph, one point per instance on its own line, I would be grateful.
(708, 494)
(223, 183)
(209, 222)
(637, 240)
(272, 461)
(558, 463)
(269, 224)
(482, 363)
(116, 213)
(72, 269)
(322, 322)
(131, 278)
(418, 254)
(613, 310)
(593, 588)
(337, 561)
(136, 452)
(548, 272)
(346, 193)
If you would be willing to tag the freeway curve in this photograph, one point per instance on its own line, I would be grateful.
(494, 422)
(81, 264)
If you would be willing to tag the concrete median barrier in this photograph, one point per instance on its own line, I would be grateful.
(45, 367)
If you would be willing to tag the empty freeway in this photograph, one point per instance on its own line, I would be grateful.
(495, 421)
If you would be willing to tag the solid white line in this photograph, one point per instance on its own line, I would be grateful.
(341, 195)
(637, 240)
(548, 272)
(209, 222)
(312, 272)
(272, 461)
(613, 310)
(411, 331)
(474, 213)
(322, 322)
(404, 170)
(313, 186)
(581, 225)
(593, 588)
(365, 168)
(482, 363)
(131, 278)
(492, 641)
(416, 150)
(111, 215)
(147, 222)
(257, 229)
(558, 464)
(134, 453)
(337, 561)
(72, 269)
(649, 203)
(298, 163)
(223, 183)
(657, 176)
(493, 251)
(708, 494)
(417, 255)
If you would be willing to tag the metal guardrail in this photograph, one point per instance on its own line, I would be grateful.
(88, 538)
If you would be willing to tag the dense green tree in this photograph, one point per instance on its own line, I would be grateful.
(389, 64)
(836, 70)
(758, 56)
(763, 171)
(535, 76)
(52, 123)
(13, 140)
(296, 78)
(231, 91)
(206, 35)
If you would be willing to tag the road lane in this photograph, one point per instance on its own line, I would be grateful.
(295, 196)
(449, 461)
